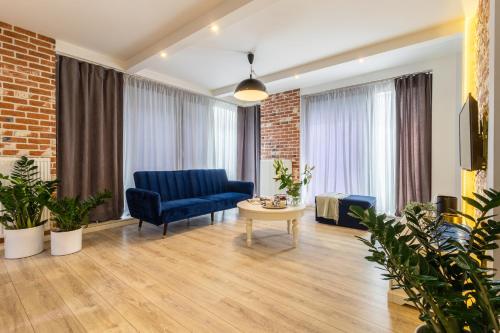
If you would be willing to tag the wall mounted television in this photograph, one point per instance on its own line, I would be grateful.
(471, 145)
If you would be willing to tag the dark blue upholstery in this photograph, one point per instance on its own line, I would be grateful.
(345, 220)
(226, 200)
(167, 196)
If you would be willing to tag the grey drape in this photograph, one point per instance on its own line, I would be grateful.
(414, 135)
(248, 167)
(89, 133)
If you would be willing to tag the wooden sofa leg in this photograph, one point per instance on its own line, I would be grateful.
(165, 228)
(140, 224)
(212, 218)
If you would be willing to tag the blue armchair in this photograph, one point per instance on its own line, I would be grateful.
(161, 197)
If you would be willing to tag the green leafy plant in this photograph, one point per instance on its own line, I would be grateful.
(24, 196)
(287, 182)
(448, 280)
(72, 213)
(423, 206)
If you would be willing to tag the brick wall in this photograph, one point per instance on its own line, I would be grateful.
(280, 128)
(482, 72)
(27, 94)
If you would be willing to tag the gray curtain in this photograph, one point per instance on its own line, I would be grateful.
(414, 135)
(89, 133)
(248, 152)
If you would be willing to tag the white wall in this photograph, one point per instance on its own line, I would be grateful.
(493, 170)
(446, 104)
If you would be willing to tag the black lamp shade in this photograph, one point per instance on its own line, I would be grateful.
(251, 90)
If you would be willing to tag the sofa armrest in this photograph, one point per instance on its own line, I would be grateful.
(144, 204)
(240, 187)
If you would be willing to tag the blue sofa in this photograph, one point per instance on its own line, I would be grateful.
(161, 197)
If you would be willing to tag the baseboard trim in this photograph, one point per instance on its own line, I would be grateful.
(93, 227)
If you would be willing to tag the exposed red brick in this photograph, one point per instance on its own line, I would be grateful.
(47, 39)
(27, 45)
(24, 31)
(27, 102)
(7, 85)
(12, 113)
(27, 57)
(14, 61)
(13, 126)
(10, 152)
(5, 25)
(6, 52)
(14, 48)
(27, 121)
(280, 124)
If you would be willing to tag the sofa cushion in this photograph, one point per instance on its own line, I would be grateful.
(207, 182)
(183, 208)
(226, 200)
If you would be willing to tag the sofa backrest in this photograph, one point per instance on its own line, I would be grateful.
(206, 182)
(173, 185)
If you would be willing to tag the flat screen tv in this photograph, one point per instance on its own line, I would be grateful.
(471, 147)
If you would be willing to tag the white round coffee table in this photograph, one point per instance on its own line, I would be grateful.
(251, 212)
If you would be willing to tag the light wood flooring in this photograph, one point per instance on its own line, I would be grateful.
(203, 278)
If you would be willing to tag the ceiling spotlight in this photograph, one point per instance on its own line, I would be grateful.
(361, 60)
(214, 28)
(251, 90)
(296, 76)
(163, 54)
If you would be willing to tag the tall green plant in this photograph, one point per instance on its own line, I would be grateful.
(286, 180)
(24, 196)
(71, 213)
(448, 281)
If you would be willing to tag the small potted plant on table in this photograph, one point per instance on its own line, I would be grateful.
(288, 183)
(70, 215)
(24, 196)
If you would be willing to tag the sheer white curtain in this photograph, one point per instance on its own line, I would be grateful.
(349, 136)
(225, 137)
(170, 129)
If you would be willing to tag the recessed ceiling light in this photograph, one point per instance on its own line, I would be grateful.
(296, 76)
(361, 60)
(163, 54)
(214, 28)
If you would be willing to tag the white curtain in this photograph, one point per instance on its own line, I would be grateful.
(166, 128)
(225, 137)
(349, 136)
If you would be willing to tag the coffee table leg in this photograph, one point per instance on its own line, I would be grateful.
(249, 232)
(295, 231)
(288, 223)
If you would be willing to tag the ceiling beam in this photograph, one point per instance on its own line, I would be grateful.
(224, 14)
(438, 31)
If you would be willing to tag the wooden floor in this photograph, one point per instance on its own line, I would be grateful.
(203, 278)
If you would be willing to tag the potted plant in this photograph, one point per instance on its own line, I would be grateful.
(23, 196)
(447, 279)
(288, 183)
(70, 215)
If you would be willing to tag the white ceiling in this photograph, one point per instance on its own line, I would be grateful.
(117, 28)
(282, 33)
(293, 32)
(417, 53)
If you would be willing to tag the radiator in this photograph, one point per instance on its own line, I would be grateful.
(6, 164)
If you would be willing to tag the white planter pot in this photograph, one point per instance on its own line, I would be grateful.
(65, 242)
(22, 243)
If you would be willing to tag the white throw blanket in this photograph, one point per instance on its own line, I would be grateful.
(327, 205)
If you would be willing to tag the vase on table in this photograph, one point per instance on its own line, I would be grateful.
(294, 201)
